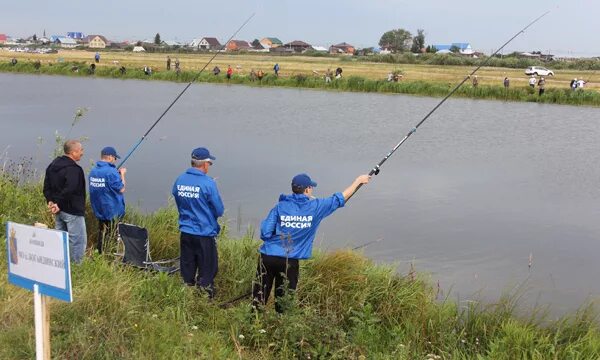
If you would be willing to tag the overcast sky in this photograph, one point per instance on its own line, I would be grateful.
(570, 28)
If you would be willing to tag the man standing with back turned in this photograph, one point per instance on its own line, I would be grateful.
(107, 185)
(199, 205)
(64, 189)
(288, 233)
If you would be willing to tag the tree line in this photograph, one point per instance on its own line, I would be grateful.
(401, 40)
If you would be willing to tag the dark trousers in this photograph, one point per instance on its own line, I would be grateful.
(199, 261)
(278, 269)
(106, 230)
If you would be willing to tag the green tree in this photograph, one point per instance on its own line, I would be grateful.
(365, 51)
(157, 39)
(454, 49)
(418, 41)
(398, 40)
(255, 43)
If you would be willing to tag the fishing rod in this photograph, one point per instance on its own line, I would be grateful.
(591, 76)
(245, 295)
(180, 94)
(377, 167)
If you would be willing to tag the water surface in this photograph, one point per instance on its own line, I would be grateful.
(467, 199)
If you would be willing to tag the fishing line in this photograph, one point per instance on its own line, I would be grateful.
(377, 167)
(180, 94)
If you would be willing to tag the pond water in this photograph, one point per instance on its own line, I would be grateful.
(467, 199)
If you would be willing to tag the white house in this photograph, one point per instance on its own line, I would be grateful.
(96, 41)
(206, 43)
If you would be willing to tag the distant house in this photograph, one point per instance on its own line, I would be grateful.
(118, 45)
(384, 50)
(258, 47)
(270, 42)
(536, 55)
(138, 49)
(96, 41)
(282, 50)
(298, 46)
(320, 48)
(463, 48)
(237, 45)
(170, 43)
(65, 42)
(3, 38)
(75, 35)
(206, 43)
(342, 48)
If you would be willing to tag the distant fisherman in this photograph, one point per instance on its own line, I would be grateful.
(199, 204)
(288, 233)
(542, 86)
(475, 81)
(532, 81)
(107, 185)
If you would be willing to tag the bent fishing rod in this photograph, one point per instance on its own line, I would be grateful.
(377, 167)
(134, 148)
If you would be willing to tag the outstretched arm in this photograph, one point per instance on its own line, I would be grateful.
(269, 225)
(362, 179)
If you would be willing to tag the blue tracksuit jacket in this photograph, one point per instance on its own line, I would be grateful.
(105, 186)
(198, 202)
(289, 229)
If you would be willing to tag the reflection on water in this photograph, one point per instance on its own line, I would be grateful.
(467, 198)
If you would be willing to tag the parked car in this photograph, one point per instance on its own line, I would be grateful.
(538, 71)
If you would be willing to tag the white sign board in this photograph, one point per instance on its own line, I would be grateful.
(39, 256)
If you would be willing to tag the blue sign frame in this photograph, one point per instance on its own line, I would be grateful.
(45, 289)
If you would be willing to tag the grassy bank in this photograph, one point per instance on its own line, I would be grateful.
(346, 307)
(424, 80)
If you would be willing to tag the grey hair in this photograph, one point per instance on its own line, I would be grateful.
(70, 145)
(197, 163)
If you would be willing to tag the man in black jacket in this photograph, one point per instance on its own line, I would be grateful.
(64, 189)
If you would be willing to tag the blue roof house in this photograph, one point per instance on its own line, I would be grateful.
(463, 48)
(75, 35)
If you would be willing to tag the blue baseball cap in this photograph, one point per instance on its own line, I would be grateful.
(202, 153)
(303, 180)
(109, 150)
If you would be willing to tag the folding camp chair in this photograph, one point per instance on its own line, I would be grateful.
(137, 250)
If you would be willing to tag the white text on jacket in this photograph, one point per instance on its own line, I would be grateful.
(296, 221)
(188, 191)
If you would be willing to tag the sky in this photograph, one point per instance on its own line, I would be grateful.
(570, 29)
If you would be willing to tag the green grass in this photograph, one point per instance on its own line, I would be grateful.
(353, 83)
(347, 307)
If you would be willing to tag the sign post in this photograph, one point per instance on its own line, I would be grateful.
(38, 260)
